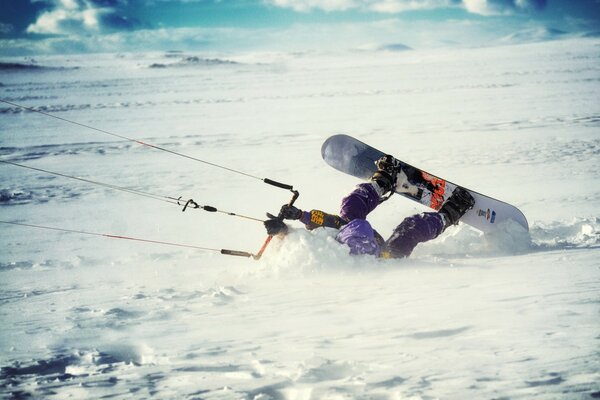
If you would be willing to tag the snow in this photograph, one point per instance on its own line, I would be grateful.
(503, 315)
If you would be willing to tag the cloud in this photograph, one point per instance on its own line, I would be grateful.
(396, 6)
(307, 5)
(384, 6)
(481, 7)
(502, 7)
(75, 17)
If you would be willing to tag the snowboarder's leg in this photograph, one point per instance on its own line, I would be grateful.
(427, 226)
(366, 196)
(412, 231)
(360, 237)
(360, 202)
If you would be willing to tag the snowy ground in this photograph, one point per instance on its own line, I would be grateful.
(466, 316)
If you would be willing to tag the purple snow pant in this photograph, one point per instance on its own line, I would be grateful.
(362, 239)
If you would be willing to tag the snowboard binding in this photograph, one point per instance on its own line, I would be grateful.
(456, 206)
(392, 178)
(386, 176)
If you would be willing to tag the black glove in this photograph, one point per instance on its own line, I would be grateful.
(290, 212)
(275, 226)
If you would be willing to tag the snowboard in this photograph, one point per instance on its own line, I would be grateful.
(353, 157)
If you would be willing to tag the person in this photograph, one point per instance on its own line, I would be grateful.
(358, 234)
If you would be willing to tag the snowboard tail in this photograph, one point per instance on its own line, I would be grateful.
(353, 157)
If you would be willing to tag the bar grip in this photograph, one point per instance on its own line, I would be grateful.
(278, 184)
(236, 253)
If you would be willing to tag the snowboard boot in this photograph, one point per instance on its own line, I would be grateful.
(386, 175)
(456, 206)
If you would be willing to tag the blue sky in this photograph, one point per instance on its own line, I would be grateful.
(29, 27)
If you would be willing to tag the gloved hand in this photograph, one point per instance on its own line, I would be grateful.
(290, 212)
(275, 226)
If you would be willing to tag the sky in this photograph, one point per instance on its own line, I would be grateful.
(30, 27)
